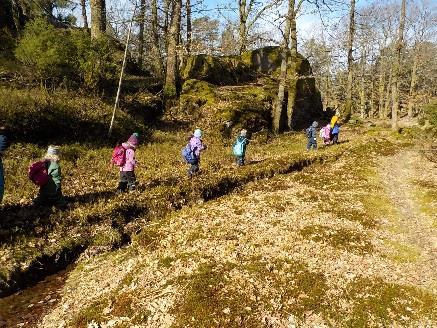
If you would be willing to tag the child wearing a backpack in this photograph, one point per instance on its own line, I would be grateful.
(239, 147)
(2, 149)
(127, 164)
(192, 156)
(334, 133)
(50, 192)
(312, 136)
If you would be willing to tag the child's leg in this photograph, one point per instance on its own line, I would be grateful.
(309, 144)
(131, 180)
(122, 184)
(59, 200)
(335, 138)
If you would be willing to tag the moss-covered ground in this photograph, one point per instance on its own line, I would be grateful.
(293, 238)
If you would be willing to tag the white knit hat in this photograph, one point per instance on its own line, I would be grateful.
(52, 153)
(198, 133)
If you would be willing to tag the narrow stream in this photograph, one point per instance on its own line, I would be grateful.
(25, 308)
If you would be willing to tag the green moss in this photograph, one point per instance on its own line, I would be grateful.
(403, 252)
(93, 312)
(373, 302)
(341, 238)
(208, 297)
(148, 238)
(302, 291)
(166, 262)
(107, 237)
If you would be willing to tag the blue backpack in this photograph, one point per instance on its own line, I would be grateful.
(188, 155)
(238, 148)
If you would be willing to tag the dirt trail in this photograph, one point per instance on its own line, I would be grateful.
(401, 175)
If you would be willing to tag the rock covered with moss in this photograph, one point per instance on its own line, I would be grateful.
(207, 76)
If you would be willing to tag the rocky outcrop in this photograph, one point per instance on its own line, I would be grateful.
(258, 67)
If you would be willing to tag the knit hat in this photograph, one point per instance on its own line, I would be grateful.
(243, 133)
(52, 153)
(133, 139)
(315, 124)
(136, 134)
(198, 133)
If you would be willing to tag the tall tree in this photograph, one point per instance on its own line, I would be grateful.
(98, 18)
(171, 76)
(249, 13)
(155, 48)
(84, 15)
(285, 53)
(141, 21)
(397, 69)
(189, 28)
(350, 60)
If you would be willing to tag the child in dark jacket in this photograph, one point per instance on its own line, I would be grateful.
(196, 146)
(2, 175)
(127, 171)
(239, 147)
(51, 193)
(312, 136)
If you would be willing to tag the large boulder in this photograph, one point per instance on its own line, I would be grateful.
(260, 66)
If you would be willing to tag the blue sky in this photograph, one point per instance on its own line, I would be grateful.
(308, 22)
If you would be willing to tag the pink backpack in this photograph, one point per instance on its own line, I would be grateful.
(38, 173)
(119, 156)
(326, 131)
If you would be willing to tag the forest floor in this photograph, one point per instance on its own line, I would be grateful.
(346, 242)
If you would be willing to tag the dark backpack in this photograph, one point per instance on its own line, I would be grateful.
(308, 132)
(188, 155)
(38, 173)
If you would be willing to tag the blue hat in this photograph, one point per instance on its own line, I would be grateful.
(198, 133)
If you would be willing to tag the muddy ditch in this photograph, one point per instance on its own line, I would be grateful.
(156, 206)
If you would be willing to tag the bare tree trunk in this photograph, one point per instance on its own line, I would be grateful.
(170, 87)
(167, 6)
(350, 60)
(189, 29)
(363, 99)
(381, 89)
(372, 95)
(396, 75)
(327, 91)
(155, 49)
(84, 15)
(388, 94)
(278, 108)
(242, 27)
(413, 85)
(98, 18)
(292, 83)
(141, 18)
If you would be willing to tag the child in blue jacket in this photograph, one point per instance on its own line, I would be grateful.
(334, 133)
(239, 147)
(311, 133)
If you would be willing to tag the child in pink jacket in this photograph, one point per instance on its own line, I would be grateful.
(127, 171)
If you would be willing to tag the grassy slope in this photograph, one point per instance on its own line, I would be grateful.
(97, 216)
(211, 257)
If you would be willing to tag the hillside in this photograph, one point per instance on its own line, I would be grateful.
(292, 238)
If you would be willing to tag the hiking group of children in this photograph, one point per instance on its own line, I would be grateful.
(46, 173)
(328, 133)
